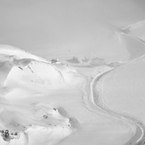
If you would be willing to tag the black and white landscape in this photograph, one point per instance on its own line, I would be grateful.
(72, 72)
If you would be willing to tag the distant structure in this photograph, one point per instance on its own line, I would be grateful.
(97, 61)
(85, 60)
(74, 60)
(55, 61)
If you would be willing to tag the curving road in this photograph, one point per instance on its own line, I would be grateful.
(139, 136)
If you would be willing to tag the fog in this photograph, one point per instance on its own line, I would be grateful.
(43, 27)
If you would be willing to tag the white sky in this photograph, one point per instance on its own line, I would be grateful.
(43, 26)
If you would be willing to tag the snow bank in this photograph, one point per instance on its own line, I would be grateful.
(25, 76)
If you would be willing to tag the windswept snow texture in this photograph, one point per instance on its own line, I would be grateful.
(26, 78)
(44, 103)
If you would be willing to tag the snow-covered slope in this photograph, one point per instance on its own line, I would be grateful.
(45, 103)
(25, 78)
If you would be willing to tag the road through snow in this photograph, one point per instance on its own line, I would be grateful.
(139, 136)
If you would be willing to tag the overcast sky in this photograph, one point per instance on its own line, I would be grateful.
(43, 26)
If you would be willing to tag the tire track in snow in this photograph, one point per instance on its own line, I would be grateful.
(139, 136)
